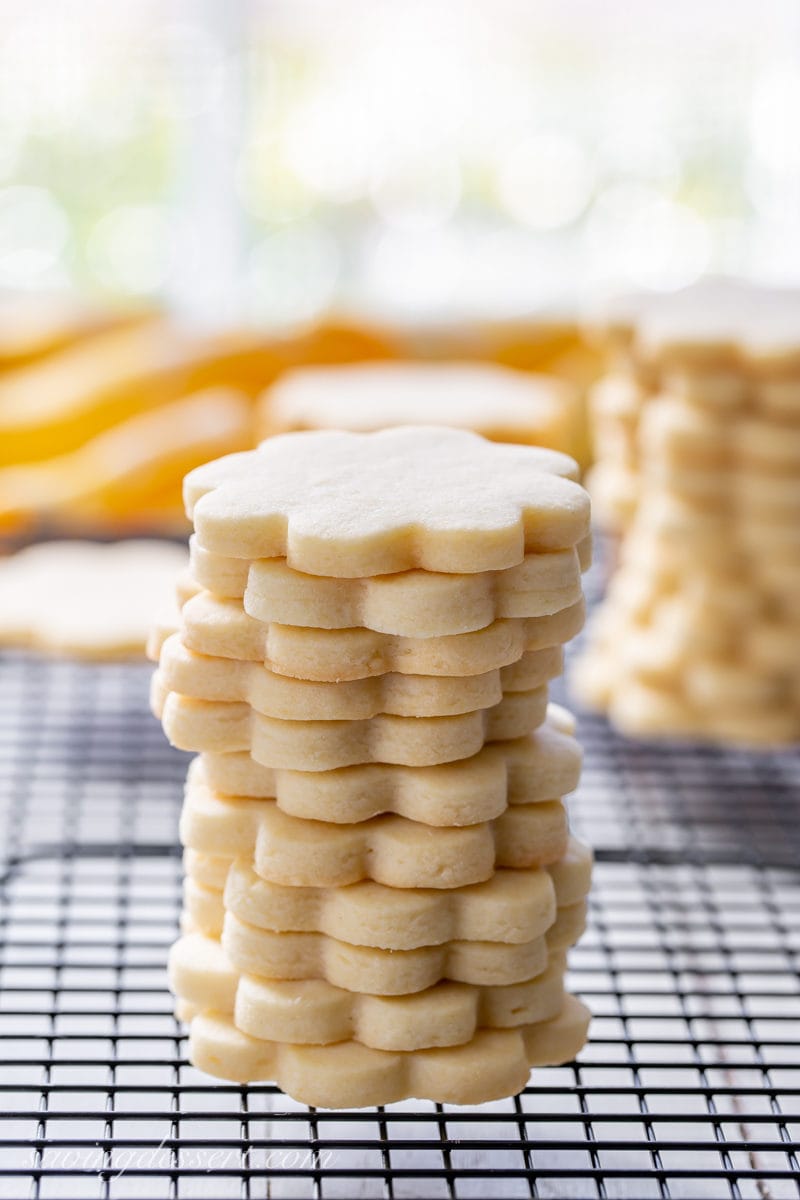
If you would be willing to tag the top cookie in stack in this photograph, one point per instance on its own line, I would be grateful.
(364, 672)
(349, 506)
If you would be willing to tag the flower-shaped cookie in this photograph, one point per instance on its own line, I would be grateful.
(350, 505)
(279, 696)
(375, 972)
(389, 849)
(539, 767)
(406, 604)
(495, 1063)
(205, 909)
(222, 629)
(315, 1012)
(222, 726)
(509, 906)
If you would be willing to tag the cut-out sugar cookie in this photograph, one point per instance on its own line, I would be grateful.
(204, 910)
(510, 906)
(203, 677)
(221, 628)
(408, 604)
(388, 849)
(377, 972)
(223, 726)
(541, 766)
(88, 599)
(768, 493)
(769, 538)
(572, 873)
(496, 1063)
(315, 1012)
(718, 321)
(500, 403)
(349, 505)
(645, 709)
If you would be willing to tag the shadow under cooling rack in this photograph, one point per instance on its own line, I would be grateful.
(690, 1086)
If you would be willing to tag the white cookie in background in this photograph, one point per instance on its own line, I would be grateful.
(497, 402)
(87, 599)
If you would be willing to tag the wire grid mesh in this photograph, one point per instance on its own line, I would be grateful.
(689, 1088)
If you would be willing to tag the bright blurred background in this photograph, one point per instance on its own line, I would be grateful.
(268, 159)
(316, 182)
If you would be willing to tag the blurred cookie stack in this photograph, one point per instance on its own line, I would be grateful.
(381, 883)
(698, 440)
(615, 404)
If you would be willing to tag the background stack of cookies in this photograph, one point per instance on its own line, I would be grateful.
(381, 881)
(698, 437)
(615, 405)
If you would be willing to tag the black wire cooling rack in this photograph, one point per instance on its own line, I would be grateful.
(690, 1087)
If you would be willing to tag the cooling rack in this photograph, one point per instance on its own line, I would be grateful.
(690, 1086)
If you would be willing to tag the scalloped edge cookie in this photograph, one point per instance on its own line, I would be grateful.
(348, 505)
(203, 677)
(407, 604)
(388, 849)
(229, 727)
(221, 628)
(495, 1064)
(541, 766)
(315, 1012)
(510, 906)
(92, 600)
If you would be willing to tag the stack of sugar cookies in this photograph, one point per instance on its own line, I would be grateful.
(381, 883)
(700, 631)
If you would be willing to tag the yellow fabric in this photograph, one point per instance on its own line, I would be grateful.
(125, 470)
